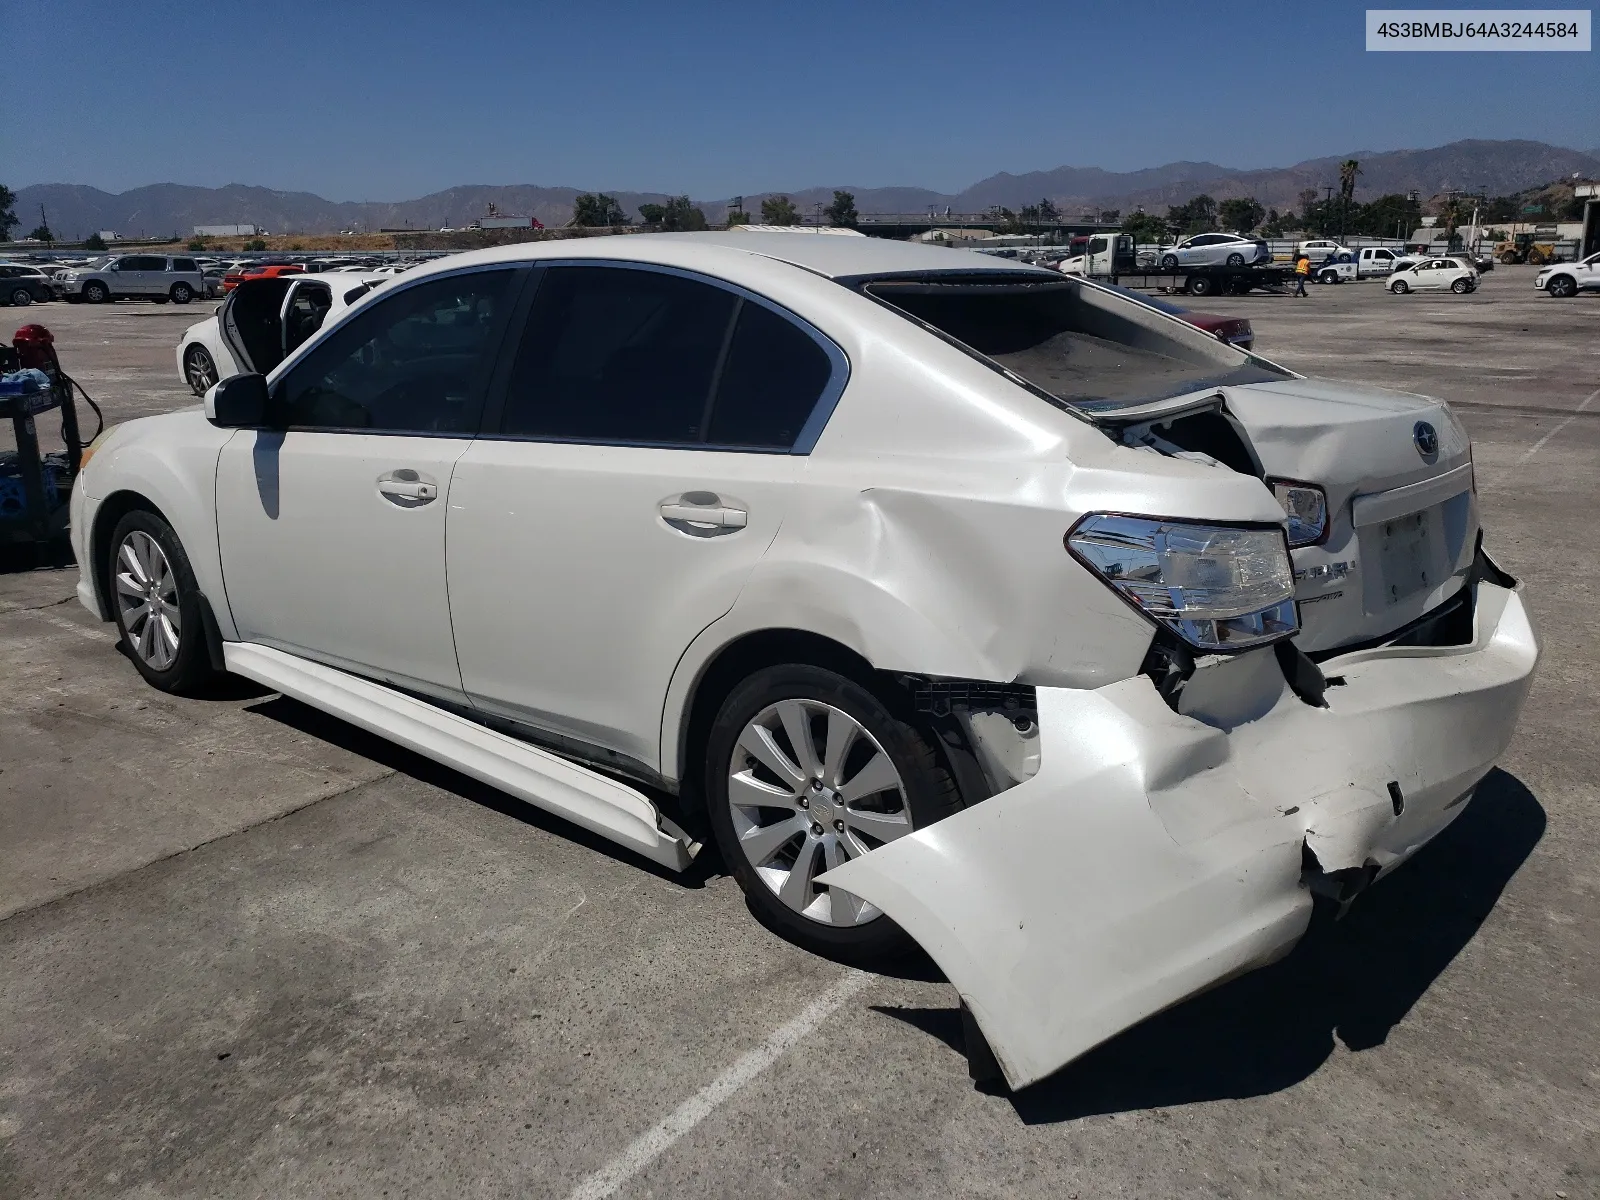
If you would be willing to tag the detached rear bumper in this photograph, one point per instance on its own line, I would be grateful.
(1153, 855)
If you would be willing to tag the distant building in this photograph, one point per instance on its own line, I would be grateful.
(109, 235)
(228, 231)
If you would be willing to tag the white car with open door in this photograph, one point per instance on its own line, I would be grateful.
(951, 597)
(263, 321)
(1434, 275)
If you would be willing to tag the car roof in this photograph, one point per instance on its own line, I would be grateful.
(831, 257)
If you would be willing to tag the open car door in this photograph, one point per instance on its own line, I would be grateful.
(251, 320)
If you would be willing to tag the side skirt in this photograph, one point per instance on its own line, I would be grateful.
(600, 804)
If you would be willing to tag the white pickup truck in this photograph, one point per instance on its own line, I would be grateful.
(1568, 279)
(1369, 262)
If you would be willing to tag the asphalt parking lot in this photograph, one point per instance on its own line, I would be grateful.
(247, 950)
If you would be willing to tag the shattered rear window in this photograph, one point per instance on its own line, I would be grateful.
(1084, 348)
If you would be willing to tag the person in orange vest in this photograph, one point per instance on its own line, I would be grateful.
(1302, 272)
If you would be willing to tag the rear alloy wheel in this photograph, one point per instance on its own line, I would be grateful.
(182, 293)
(199, 370)
(1398, 287)
(157, 603)
(22, 297)
(96, 292)
(806, 770)
(1236, 260)
(1461, 286)
(1562, 286)
(1169, 262)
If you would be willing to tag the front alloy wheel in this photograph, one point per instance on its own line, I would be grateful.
(808, 788)
(147, 601)
(199, 370)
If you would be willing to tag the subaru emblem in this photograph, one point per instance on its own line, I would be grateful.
(1426, 438)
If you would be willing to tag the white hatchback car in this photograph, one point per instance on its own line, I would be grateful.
(948, 596)
(1215, 250)
(1435, 275)
(262, 321)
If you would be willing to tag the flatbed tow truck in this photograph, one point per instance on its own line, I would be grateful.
(1113, 258)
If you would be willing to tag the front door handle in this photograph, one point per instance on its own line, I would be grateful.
(407, 488)
(703, 514)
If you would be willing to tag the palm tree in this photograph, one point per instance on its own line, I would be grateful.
(1348, 170)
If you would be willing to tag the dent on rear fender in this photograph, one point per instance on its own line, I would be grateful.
(974, 586)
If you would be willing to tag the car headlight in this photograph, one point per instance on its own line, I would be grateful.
(90, 450)
(1306, 507)
(1219, 587)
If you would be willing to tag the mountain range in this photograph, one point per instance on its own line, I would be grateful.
(1497, 167)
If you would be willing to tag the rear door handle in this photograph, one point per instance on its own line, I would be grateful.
(702, 514)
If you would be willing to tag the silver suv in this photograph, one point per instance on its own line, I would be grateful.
(152, 276)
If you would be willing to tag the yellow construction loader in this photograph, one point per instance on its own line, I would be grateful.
(1523, 249)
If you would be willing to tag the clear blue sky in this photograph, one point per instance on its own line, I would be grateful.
(379, 101)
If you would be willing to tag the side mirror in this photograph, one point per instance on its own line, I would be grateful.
(238, 402)
(116, 266)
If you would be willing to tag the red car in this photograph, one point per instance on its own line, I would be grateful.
(258, 271)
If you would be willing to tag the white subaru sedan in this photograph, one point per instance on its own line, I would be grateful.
(947, 597)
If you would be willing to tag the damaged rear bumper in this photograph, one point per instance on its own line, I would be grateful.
(1153, 855)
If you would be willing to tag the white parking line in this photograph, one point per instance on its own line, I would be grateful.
(656, 1140)
(1539, 445)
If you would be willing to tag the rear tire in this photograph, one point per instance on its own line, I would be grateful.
(22, 297)
(182, 293)
(1201, 285)
(1461, 287)
(822, 794)
(156, 602)
(199, 370)
(1236, 260)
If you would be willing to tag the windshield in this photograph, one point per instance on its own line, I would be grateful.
(1079, 345)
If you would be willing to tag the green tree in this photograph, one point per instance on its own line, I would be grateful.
(1241, 214)
(252, 244)
(41, 233)
(779, 210)
(738, 217)
(842, 212)
(197, 244)
(1144, 227)
(597, 210)
(8, 216)
(1043, 213)
(94, 242)
(1273, 226)
(680, 216)
(1392, 215)
(1199, 215)
(651, 214)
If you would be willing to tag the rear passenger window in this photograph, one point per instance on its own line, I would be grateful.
(413, 362)
(774, 375)
(616, 354)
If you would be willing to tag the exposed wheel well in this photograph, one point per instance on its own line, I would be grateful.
(112, 509)
(737, 661)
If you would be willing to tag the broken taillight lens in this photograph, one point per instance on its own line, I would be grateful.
(1219, 587)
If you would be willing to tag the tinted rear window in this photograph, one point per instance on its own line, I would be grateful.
(1083, 347)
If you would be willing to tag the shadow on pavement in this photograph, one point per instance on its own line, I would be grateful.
(1353, 979)
(358, 741)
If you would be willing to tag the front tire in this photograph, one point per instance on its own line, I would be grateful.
(157, 603)
(1561, 287)
(806, 769)
(96, 292)
(1169, 262)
